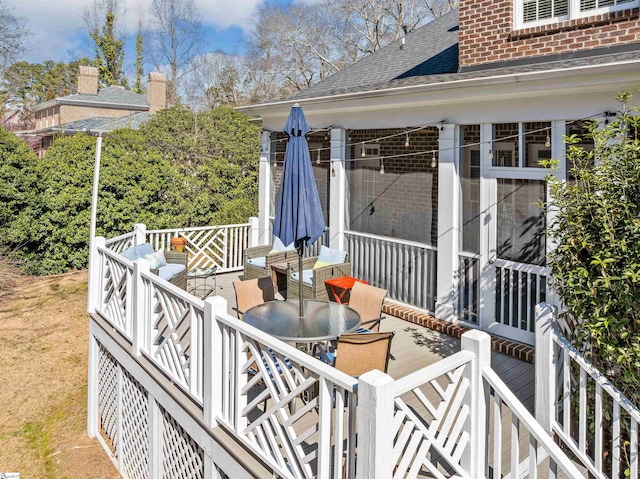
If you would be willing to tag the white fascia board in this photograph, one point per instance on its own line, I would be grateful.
(45, 105)
(512, 86)
(97, 104)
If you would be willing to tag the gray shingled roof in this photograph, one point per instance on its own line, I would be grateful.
(430, 56)
(429, 50)
(112, 94)
(104, 124)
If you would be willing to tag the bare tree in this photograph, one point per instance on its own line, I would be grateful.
(175, 34)
(293, 47)
(13, 33)
(94, 16)
(215, 79)
(371, 24)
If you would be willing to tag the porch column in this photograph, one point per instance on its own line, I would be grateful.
(448, 224)
(265, 187)
(338, 189)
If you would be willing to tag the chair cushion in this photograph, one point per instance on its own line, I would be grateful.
(144, 249)
(278, 246)
(307, 276)
(129, 254)
(259, 262)
(156, 260)
(329, 256)
(170, 270)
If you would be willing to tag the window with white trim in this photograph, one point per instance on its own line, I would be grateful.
(532, 13)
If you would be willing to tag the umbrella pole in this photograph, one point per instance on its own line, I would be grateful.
(301, 298)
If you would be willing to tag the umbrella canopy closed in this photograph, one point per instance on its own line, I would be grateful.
(299, 216)
(298, 211)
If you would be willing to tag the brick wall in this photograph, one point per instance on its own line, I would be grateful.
(70, 113)
(405, 197)
(487, 33)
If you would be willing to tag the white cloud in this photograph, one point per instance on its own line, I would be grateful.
(56, 25)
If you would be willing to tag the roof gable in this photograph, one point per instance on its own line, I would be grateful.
(428, 50)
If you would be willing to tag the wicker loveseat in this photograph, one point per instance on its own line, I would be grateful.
(175, 271)
(258, 259)
(313, 286)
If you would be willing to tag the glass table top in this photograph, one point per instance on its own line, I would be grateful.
(322, 320)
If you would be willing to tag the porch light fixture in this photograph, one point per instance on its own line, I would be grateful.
(364, 152)
(406, 141)
(333, 171)
(318, 157)
(433, 160)
(547, 142)
(381, 165)
(490, 154)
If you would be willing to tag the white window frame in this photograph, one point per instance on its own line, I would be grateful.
(574, 13)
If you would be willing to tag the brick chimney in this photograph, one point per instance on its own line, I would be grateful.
(157, 91)
(88, 80)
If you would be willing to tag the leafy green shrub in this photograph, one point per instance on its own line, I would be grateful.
(179, 170)
(596, 264)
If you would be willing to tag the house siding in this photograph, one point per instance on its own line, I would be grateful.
(487, 33)
(69, 113)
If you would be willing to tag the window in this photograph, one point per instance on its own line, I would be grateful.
(518, 145)
(531, 13)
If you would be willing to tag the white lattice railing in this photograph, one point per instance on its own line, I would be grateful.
(112, 286)
(208, 246)
(579, 404)
(468, 287)
(307, 428)
(406, 269)
(519, 287)
(122, 242)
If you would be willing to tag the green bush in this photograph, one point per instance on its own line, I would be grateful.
(179, 170)
(596, 264)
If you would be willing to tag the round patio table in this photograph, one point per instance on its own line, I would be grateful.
(322, 320)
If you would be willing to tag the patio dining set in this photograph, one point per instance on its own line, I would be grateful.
(344, 332)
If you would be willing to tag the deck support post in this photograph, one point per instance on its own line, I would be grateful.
(375, 419)
(93, 291)
(92, 389)
(545, 324)
(140, 230)
(212, 387)
(448, 224)
(477, 401)
(265, 189)
(136, 307)
(338, 189)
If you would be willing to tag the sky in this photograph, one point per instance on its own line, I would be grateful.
(57, 26)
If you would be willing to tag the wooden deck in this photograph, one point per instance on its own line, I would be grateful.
(415, 347)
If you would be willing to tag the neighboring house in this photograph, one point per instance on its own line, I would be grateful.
(101, 109)
(427, 166)
(16, 120)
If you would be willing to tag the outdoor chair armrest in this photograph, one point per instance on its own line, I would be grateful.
(275, 258)
(375, 322)
(331, 271)
(238, 312)
(176, 258)
(257, 251)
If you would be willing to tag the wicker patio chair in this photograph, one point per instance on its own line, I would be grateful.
(180, 279)
(253, 271)
(357, 354)
(317, 289)
(252, 292)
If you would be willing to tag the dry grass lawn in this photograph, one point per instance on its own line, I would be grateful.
(43, 371)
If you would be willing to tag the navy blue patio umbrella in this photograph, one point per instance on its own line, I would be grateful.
(299, 217)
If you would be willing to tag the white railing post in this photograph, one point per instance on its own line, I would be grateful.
(477, 400)
(136, 307)
(140, 230)
(338, 189)
(254, 231)
(375, 422)
(545, 324)
(92, 389)
(93, 291)
(212, 387)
